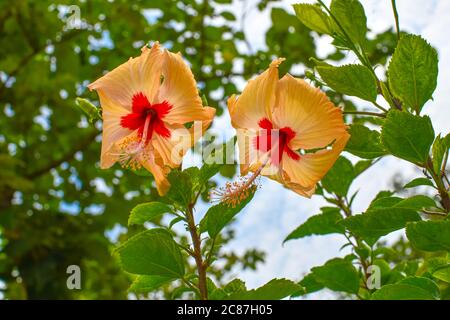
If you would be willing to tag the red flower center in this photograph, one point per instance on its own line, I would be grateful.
(275, 140)
(146, 117)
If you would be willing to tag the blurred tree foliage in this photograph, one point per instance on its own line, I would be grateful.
(56, 207)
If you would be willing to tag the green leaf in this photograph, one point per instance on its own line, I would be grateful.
(352, 18)
(145, 284)
(440, 147)
(419, 182)
(219, 215)
(413, 71)
(442, 274)
(274, 290)
(429, 235)
(362, 166)
(340, 177)
(407, 136)
(416, 203)
(236, 285)
(323, 223)
(310, 284)
(364, 143)
(147, 211)
(338, 275)
(377, 222)
(90, 110)
(384, 202)
(439, 267)
(180, 187)
(352, 80)
(228, 16)
(313, 17)
(152, 252)
(412, 288)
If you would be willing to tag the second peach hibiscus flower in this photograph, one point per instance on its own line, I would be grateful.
(287, 130)
(146, 103)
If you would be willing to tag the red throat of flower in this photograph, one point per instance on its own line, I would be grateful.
(147, 118)
(275, 140)
(270, 140)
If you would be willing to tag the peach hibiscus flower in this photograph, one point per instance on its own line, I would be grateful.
(146, 103)
(287, 130)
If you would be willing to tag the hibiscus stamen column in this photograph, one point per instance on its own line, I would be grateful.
(235, 192)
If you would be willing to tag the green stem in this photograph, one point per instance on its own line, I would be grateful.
(348, 213)
(361, 55)
(366, 113)
(197, 253)
(445, 198)
(397, 22)
(379, 107)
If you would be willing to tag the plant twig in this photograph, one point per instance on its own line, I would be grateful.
(397, 20)
(366, 113)
(445, 198)
(197, 253)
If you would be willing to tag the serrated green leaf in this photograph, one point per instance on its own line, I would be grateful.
(415, 203)
(234, 286)
(180, 187)
(273, 290)
(419, 182)
(412, 288)
(438, 151)
(439, 267)
(352, 18)
(338, 275)
(219, 215)
(313, 17)
(362, 166)
(407, 136)
(442, 274)
(384, 202)
(310, 284)
(320, 224)
(352, 80)
(413, 71)
(147, 211)
(378, 222)
(145, 284)
(429, 235)
(152, 252)
(340, 177)
(364, 143)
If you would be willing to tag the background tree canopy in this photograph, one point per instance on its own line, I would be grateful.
(56, 205)
(57, 208)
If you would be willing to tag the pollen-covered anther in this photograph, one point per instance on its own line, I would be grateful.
(131, 153)
(233, 193)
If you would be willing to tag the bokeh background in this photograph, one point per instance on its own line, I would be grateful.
(57, 208)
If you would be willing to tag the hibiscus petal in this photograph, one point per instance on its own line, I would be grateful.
(138, 75)
(307, 111)
(154, 164)
(257, 99)
(312, 167)
(112, 130)
(173, 148)
(180, 90)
